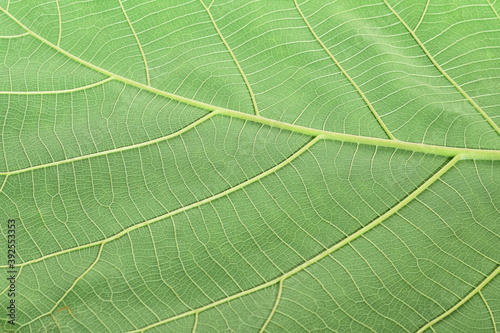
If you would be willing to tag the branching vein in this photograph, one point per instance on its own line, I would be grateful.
(363, 96)
(138, 43)
(247, 83)
(462, 301)
(323, 254)
(442, 71)
(418, 147)
(454, 154)
(182, 209)
(53, 92)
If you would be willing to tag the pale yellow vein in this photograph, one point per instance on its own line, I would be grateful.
(60, 23)
(422, 16)
(182, 209)
(67, 291)
(418, 147)
(273, 311)
(51, 92)
(489, 311)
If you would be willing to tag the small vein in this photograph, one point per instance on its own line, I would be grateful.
(15, 36)
(50, 92)
(252, 96)
(138, 43)
(273, 311)
(3, 183)
(422, 16)
(17, 278)
(490, 312)
(370, 106)
(462, 301)
(195, 323)
(443, 72)
(326, 291)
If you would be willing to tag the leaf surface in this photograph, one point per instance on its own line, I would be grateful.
(251, 165)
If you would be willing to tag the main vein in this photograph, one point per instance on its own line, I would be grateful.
(466, 153)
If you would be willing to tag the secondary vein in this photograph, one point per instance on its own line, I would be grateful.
(116, 150)
(247, 83)
(273, 311)
(182, 209)
(462, 301)
(443, 72)
(138, 43)
(52, 92)
(358, 89)
(323, 254)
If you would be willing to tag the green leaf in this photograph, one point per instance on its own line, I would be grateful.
(299, 165)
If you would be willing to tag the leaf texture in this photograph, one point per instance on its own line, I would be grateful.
(251, 166)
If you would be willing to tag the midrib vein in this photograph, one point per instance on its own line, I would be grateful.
(182, 209)
(323, 254)
(443, 72)
(466, 153)
(358, 89)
